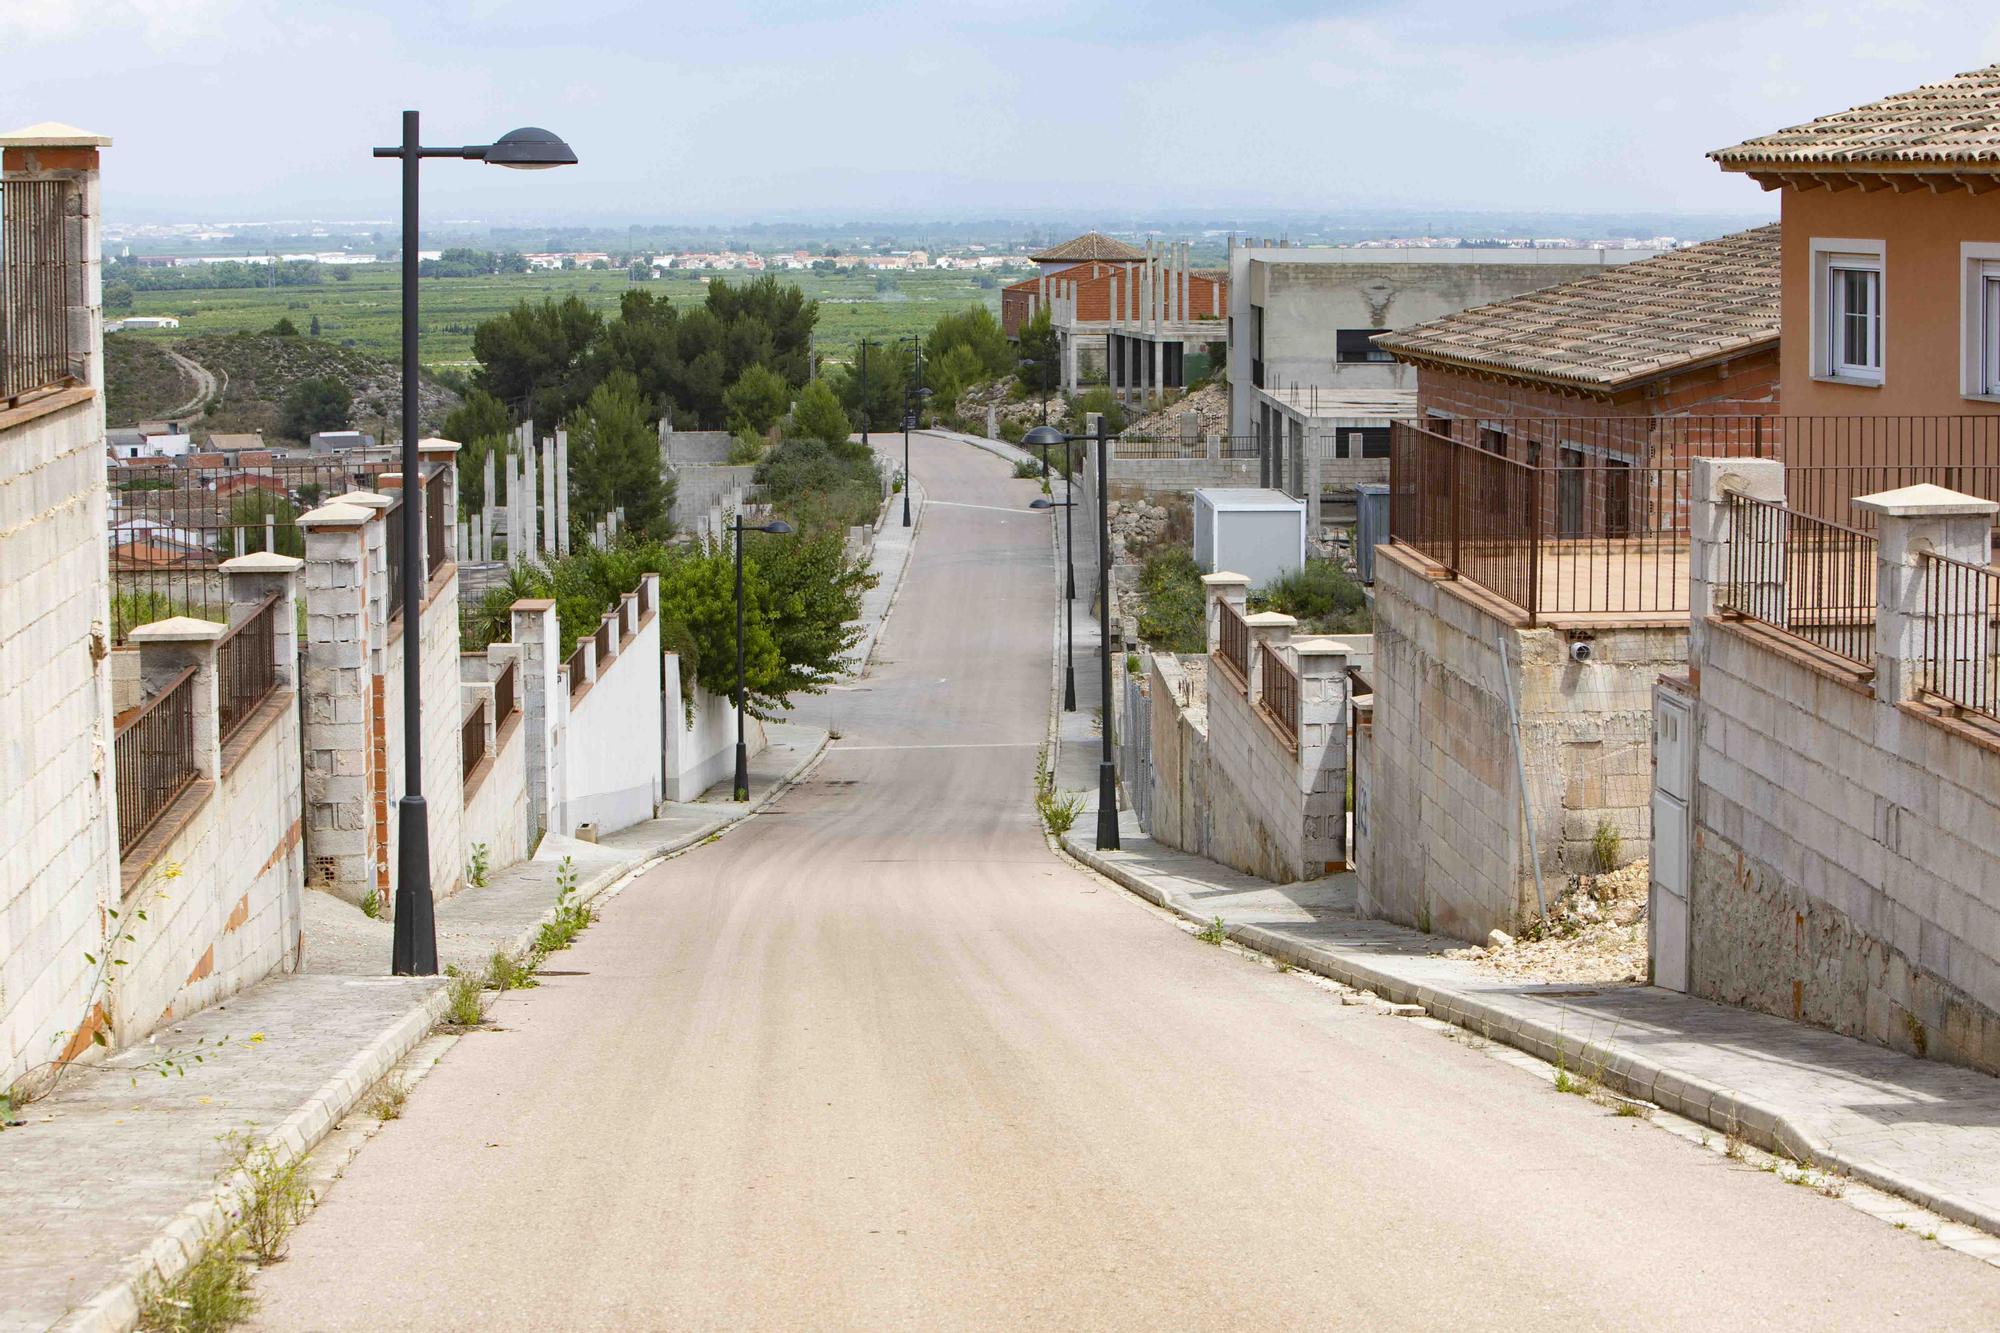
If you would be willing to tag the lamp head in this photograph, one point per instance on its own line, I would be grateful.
(777, 525)
(1042, 502)
(530, 149)
(1041, 437)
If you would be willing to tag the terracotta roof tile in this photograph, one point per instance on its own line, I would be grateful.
(1627, 324)
(1956, 122)
(1090, 245)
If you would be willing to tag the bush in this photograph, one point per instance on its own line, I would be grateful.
(819, 415)
(1325, 600)
(819, 485)
(1101, 401)
(1173, 612)
(1011, 430)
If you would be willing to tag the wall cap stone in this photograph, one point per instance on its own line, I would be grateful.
(178, 629)
(263, 562)
(1271, 620)
(363, 500)
(1314, 647)
(533, 604)
(335, 516)
(1925, 500)
(1223, 578)
(53, 134)
(434, 445)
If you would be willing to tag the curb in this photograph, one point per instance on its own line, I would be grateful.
(1635, 1076)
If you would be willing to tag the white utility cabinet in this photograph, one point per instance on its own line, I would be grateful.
(1258, 533)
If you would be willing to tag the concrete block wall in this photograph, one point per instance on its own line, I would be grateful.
(700, 486)
(444, 794)
(1846, 834)
(1447, 848)
(616, 761)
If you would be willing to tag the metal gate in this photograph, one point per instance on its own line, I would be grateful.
(1673, 791)
(1135, 751)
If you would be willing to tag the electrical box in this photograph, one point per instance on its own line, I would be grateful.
(1260, 534)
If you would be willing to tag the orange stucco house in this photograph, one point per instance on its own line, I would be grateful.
(1891, 258)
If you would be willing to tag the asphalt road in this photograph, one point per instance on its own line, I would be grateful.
(878, 1059)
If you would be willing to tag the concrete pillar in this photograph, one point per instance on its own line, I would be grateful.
(1711, 544)
(562, 492)
(1316, 447)
(1932, 620)
(544, 708)
(1212, 448)
(1270, 632)
(169, 647)
(485, 551)
(513, 508)
(1219, 587)
(442, 455)
(247, 581)
(337, 712)
(1322, 751)
(547, 529)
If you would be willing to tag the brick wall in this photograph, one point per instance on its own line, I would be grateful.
(1206, 295)
(1745, 386)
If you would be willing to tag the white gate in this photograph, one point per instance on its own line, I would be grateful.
(1673, 791)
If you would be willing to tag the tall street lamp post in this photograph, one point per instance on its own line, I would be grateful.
(1069, 603)
(414, 952)
(913, 397)
(864, 393)
(742, 752)
(1107, 767)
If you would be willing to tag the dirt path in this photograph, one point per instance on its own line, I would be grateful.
(206, 386)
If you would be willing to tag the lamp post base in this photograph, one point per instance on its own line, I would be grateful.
(1069, 689)
(1107, 807)
(742, 772)
(414, 952)
(906, 500)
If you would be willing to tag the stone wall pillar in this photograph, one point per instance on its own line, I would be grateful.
(544, 708)
(1711, 541)
(248, 580)
(338, 685)
(1322, 752)
(169, 647)
(1925, 612)
(1222, 586)
(1270, 632)
(443, 454)
(1212, 448)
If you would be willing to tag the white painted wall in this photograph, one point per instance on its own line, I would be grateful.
(613, 755)
(701, 746)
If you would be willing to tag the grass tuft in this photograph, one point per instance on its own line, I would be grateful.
(212, 1295)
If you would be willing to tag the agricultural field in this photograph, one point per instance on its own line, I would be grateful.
(365, 309)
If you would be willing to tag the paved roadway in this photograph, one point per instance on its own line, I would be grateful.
(879, 1060)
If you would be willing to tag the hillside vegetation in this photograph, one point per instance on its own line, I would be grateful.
(141, 382)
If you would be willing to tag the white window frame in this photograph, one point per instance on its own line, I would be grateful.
(1979, 306)
(1831, 256)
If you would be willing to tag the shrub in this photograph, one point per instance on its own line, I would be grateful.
(1173, 612)
(1325, 600)
(818, 484)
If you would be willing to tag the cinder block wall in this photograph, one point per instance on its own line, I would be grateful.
(1846, 862)
(1446, 849)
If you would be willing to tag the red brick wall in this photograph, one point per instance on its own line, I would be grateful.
(1093, 298)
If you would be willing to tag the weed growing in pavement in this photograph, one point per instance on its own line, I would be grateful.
(1215, 932)
(389, 1098)
(571, 917)
(1733, 1146)
(1027, 469)
(1634, 1110)
(277, 1199)
(479, 867)
(212, 1295)
(1059, 810)
(1604, 846)
(511, 974)
(371, 906)
(465, 1000)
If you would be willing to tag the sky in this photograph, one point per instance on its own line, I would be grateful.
(826, 109)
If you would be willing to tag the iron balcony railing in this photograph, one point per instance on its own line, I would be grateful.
(246, 666)
(1233, 640)
(392, 518)
(1280, 696)
(1807, 577)
(577, 679)
(435, 519)
(35, 276)
(472, 739)
(1960, 667)
(1146, 447)
(503, 695)
(1242, 446)
(154, 757)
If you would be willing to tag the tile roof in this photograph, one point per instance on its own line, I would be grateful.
(1630, 323)
(1955, 123)
(1090, 245)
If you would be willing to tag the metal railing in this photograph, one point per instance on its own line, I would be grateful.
(577, 679)
(1807, 577)
(1959, 662)
(392, 517)
(1280, 694)
(435, 518)
(1146, 447)
(170, 526)
(472, 739)
(34, 281)
(246, 667)
(607, 642)
(153, 758)
(1233, 640)
(1242, 446)
(503, 695)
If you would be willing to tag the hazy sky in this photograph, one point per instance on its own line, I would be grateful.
(974, 108)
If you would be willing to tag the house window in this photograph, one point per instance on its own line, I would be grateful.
(1365, 442)
(1989, 350)
(1980, 361)
(1847, 311)
(1352, 346)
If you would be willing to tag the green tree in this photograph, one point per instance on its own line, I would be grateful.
(319, 402)
(246, 519)
(888, 375)
(284, 328)
(822, 486)
(950, 375)
(314, 329)
(533, 357)
(481, 424)
(976, 330)
(699, 592)
(819, 415)
(816, 593)
(117, 296)
(1038, 344)
(615, 460)
(757, 399)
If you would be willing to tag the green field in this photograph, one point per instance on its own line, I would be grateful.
(366, 308)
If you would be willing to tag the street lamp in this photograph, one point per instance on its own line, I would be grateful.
(912, 401)
(1069, 602)
(1107, 768)
(1041, 383)
(414, 952)
(736, 525)
(864, 393)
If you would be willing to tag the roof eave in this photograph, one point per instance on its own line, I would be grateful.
(1577, 383)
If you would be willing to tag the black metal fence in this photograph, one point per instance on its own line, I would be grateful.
(1233, 640)
(1961, 651)
(35, 263)
(1809, 577)
(1280, 695)
(504, 695)
(472, 739)
(153, 758)
(246, 666)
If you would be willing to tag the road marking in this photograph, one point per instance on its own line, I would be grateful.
(954, 745)
(998, 509)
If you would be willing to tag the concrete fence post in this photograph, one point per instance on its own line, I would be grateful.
(1322, 752)
(167, 648)
(443, 454)
(1711, 483)
(1212, 448)
(1270, 632)
(543, 707)
(247, 581)
(338, 685)
(1222, 586)
(1912, 522)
